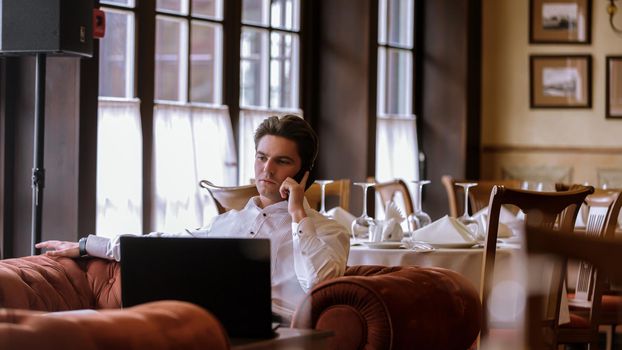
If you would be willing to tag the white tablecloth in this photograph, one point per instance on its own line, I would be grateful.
(467, 262)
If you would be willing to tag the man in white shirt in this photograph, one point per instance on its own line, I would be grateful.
(306, 247)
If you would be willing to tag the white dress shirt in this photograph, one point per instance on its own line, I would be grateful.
(302, 254)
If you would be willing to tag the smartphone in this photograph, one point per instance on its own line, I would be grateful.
(298, 177)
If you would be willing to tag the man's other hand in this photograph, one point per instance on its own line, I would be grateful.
(60, 248)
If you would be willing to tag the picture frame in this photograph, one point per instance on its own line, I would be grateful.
(560, 81)
(560, 21)
(613, 95)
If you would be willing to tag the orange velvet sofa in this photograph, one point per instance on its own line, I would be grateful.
(371, 307)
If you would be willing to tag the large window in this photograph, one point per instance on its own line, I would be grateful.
(190, 127)
(269, 69)
(192, 136)
(396, 139)
(119, 149)
(396, 127)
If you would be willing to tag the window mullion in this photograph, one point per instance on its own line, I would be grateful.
(269, 48)
(188, 53)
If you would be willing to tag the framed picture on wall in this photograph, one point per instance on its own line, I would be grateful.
(560, 21)
(560, 81)
(613, 96)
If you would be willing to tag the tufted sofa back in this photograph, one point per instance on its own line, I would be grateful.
(58, 284)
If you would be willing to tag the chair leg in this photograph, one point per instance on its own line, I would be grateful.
(609, 330)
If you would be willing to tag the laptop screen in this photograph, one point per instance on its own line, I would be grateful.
(227, 276)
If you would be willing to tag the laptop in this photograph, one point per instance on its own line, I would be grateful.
(230, 277)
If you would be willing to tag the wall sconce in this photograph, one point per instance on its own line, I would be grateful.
(611, 10)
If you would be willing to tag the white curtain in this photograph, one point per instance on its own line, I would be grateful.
(191, 143)
(397, 153)
(249, 121)
(119, 167)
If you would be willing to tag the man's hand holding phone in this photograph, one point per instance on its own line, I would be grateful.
(295, 194)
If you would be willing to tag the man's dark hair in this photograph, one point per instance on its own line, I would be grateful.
(298, 130)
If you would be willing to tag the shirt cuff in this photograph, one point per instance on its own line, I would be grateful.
(298, 228)
(97, 246)
(304, 227)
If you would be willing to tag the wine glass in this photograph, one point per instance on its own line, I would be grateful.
(467, 219)
(323, 184)
(418, 218)
(363, 221)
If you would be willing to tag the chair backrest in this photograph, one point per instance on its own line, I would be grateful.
(552, 210)
(603, 208)
(227, 198)
(339, 189)
(603, 253)
(479, 196)
(388, 191)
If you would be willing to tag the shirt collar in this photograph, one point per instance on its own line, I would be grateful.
(273, 208)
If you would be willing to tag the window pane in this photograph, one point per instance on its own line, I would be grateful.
(401, 14)
(395, 78)
(283, 70)
(207, 8)
(253, 67)
(284, 14)
(382, 21)
(255, 12)
(127, 3)
(170, 60)
(116, 50)
(174, 6)
(206, 63)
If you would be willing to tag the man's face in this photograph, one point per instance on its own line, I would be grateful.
(276, 159)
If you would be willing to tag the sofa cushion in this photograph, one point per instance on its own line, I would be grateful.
(156, 325)
(56, 284)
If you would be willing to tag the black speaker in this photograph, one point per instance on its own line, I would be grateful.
(55, 27)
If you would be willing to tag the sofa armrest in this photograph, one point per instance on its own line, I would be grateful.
(56, 284)
(156, 325)
(376, 307)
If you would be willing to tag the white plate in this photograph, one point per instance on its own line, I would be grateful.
(453, 245)
(384, 245)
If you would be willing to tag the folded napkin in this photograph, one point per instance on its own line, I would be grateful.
(444, 230)
(508, 222)
(389, 229)
(343, 217)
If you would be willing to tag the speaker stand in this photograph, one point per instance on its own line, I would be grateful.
(38, 172)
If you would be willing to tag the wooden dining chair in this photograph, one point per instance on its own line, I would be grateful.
(227, 198)
(390, 190)
(479, 196)
(542, 209)
(585, 303)
(603, 215)
(602, 252)
(338, 189)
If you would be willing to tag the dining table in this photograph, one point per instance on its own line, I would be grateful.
(466, 261)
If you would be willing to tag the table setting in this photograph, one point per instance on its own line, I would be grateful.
(423, 234)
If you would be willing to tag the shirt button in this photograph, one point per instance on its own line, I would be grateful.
(252, 233)
(264, 214)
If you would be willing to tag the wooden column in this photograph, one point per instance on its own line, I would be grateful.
(450, 116)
